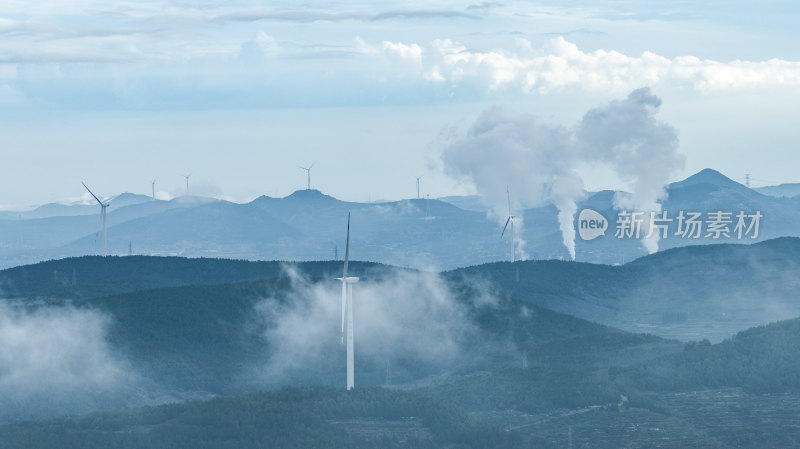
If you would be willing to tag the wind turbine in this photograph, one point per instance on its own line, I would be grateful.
(509, 220)
(418, 178)
(103, 207)
(187, 182)
(308, 172)
(154, 188)
(347, 308)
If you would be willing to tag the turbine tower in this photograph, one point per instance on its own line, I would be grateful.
(418, 178)
(187, 182)
(153, 184)
(308, 172)
(347, 309)
(103, 207)
(509, 220)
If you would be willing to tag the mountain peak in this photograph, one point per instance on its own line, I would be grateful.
(311, 195)
(707, 176)
(127, 198)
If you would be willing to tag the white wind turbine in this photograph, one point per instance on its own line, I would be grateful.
(509, 220)
(347, 309)
(103, 207)
(418, 178)
(153, 185)
(187, 183)
(308, 172)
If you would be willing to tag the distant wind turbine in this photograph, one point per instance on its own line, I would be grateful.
(418, 178)
(347, 309)
(103, 207)
(187, 182)
(153, 184)
(509, 220)
(428, 205)
(308, 172)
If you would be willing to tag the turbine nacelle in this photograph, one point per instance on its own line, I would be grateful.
(349, 279)
(102, 203)
(308, 172)
(510, 220)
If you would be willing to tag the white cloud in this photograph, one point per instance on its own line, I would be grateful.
(411, 52)
(136, 52)
(561, 64)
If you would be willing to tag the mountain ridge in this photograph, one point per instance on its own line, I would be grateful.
(420, 233)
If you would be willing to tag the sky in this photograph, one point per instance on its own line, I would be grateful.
(241, 93)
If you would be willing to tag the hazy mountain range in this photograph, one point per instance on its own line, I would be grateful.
(309, 225)
(788, 190)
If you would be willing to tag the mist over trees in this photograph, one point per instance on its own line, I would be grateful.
(431, 348)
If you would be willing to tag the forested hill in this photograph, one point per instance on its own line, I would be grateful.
(302, 418)
(689, 293)
(481, 342)
(209, 338)
(94, 276)
(765, 359)
(280, 328)
(692, 398)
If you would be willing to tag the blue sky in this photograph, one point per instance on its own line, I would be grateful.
(239, 93)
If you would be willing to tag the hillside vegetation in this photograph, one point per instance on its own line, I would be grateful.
(471, 358)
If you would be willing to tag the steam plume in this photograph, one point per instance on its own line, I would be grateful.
(642, 151)
(538, 160)
(516, 150)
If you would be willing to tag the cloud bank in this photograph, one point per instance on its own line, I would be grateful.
(561, 64)
(144, 69)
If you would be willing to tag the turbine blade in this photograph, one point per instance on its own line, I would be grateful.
(312, 165)
(344, 274)
(347, 248)
(504, 227)
(344, 304)
(92, 193)
(508, 195)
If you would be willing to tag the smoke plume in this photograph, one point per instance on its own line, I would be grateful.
(515, 151)
(625, 135)
(538, 161)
